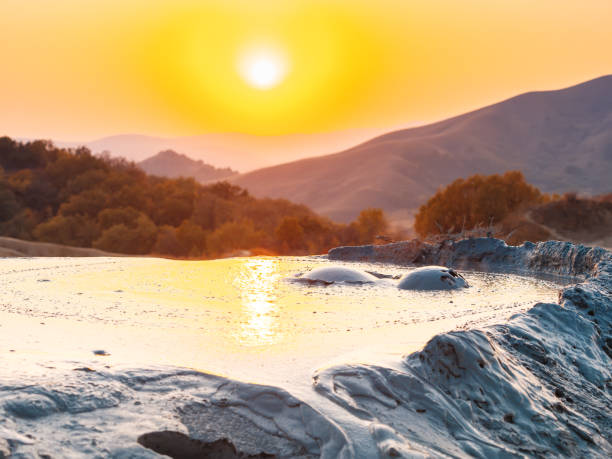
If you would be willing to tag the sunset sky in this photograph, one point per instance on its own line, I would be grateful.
(76, 70)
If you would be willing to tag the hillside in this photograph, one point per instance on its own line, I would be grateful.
(170, 164)
(561, 140)
(11, 247)
(575, 219)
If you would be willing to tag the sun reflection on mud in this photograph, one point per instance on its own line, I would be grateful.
(259, 320)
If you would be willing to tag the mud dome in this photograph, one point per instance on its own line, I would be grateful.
(425, 278)
(336, 274)
(432, 278)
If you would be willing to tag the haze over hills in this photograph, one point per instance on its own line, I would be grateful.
(242, 152)
(561, 140)
(170, 164)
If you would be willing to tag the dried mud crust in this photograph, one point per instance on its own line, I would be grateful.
(539, 385)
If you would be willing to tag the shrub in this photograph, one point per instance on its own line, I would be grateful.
(478, 200)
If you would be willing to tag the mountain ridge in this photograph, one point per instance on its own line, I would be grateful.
(239, 151)
(560, 139)
(169, 163)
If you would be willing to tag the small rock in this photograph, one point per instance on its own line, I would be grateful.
(558, 407)
(100, 352)
(177, 444)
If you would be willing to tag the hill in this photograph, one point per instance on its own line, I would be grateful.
(243, 152)
(561, 140)
(170, 164)
(577, 219)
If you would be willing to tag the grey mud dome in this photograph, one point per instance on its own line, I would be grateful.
(337, 274)
(425, 278)
(432, 278)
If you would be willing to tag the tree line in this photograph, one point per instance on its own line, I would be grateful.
(73, 197)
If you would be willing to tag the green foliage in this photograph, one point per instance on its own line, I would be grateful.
(21, 225)
(167, 242)
(9, 206)
(89, 203)
(69, 230)
(477, 200)
(118, 216)
(236, 235)
(371, 223)
(16, 155)
(76, 198)
(290, 233)
(137, 239)
(192, 238)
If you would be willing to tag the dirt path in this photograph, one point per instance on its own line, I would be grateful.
(606, 242)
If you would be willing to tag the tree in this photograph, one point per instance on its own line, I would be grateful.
(234, 236)
(478, 200)
(75, 230)
(370, 223)
(120, 238)
(21, 225)
(85, 181)
(123, 215)
(41, 193)
(192, 238)
(8, 203)
(210, 211)
(173, 210)
(15, 155)
(167, 243)
(70, 164)
(89, 203)
(290, 233)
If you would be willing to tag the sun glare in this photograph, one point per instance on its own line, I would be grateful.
(263, 69)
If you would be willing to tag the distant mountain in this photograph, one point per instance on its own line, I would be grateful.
(561, 140)
(242, 152)
(171, 164)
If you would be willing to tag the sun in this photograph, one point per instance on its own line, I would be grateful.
(262, 68)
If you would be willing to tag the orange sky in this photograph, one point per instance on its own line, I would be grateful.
(74, 69)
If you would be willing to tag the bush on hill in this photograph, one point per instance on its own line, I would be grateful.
(476, 201)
